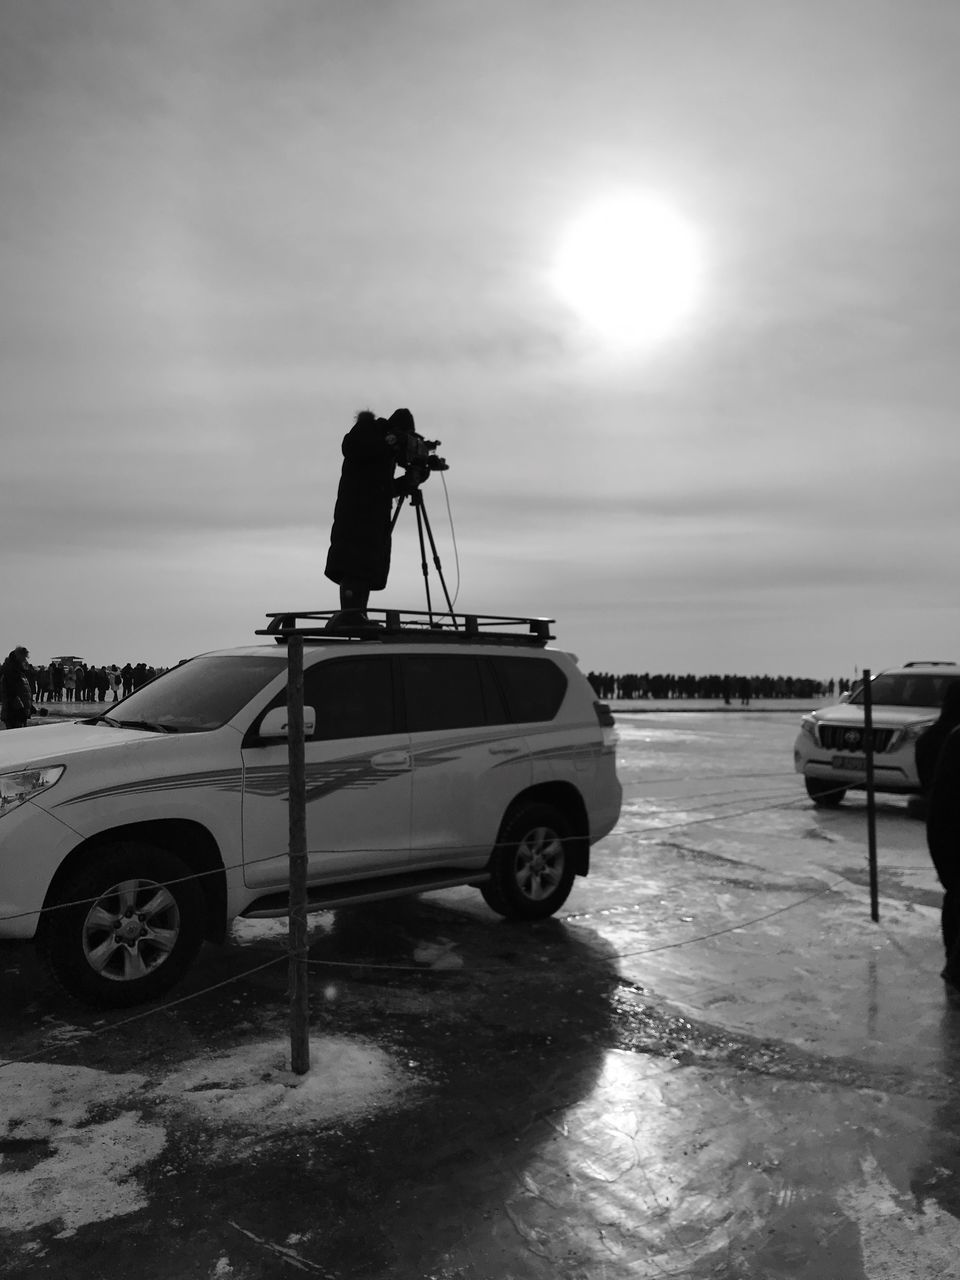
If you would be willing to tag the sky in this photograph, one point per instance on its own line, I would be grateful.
(227, 226)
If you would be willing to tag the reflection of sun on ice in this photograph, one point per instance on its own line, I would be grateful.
(630, 267)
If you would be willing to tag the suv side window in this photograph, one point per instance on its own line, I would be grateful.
(442, 691)
(497, 712)
(353, 697)
(533, 687)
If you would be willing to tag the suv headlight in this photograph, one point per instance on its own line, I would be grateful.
(911, 733)
(808, 725)
(23, 785)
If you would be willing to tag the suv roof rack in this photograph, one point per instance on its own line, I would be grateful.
(930, 662)
(411, 625)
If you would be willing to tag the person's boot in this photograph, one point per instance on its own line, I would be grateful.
(349, 621)
(353, 611)
(346, 620)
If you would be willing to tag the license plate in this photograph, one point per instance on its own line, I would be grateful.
(849, 762)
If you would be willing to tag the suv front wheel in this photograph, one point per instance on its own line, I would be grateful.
(531, 870)
(123, 927)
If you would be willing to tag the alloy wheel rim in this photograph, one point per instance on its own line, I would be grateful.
(130, 930)
(539, 863)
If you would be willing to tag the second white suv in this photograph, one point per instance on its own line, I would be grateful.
(434, 757)
(829, 750)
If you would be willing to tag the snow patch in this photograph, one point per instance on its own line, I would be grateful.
(243, 930)
(83, 1167)
(438, 955)
(41, 1100)
(252, 1085)
(896, 1240)
(85, 1174)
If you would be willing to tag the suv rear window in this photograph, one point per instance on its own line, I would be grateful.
(533, 688)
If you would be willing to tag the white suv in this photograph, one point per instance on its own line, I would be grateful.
(434, 757)
(829, 750)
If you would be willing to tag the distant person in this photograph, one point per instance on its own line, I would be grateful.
(16, 702)
(115, 680)
(359, 556)
(126, 677)
(943, 841)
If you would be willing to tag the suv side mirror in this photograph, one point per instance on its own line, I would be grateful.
(275, 724)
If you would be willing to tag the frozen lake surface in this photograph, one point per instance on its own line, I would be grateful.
(711, 1064)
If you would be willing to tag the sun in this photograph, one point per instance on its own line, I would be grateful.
(630, 267)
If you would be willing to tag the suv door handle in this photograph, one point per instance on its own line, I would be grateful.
(391, 759)
(506, 749)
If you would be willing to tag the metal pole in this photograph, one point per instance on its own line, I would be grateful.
(871, 797)
(299, 991)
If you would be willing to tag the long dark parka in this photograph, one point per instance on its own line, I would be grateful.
(943, 841)
(16, 698)
(931, 740)
(359, 554)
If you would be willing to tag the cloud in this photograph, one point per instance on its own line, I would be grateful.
(226, 228)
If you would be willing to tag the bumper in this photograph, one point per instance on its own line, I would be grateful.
(32, 846)
(895, 771)
(605, 816)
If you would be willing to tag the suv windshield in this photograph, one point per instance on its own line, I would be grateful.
(907, 689)
(203, 693)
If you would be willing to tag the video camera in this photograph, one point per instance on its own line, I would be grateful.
(413, 451)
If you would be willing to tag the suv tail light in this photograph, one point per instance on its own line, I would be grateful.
(607, 723)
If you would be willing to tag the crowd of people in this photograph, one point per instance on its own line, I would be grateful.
(729, 688)
(83, 682)
(65, 681)
(77, 681)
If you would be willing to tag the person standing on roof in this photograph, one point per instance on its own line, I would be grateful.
(359, 556)
(16, 700)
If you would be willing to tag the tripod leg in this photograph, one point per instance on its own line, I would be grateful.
(421, 514)
(436, 561)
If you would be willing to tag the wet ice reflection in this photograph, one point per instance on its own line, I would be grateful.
(665, 1169)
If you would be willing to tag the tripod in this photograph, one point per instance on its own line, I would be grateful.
(423, 523)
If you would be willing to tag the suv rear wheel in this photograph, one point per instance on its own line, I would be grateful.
(824, 793)
(532, 865)
(124, 926)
